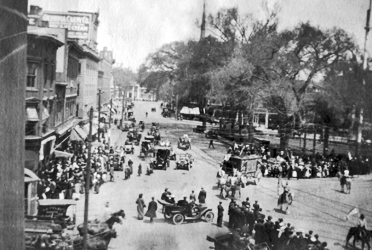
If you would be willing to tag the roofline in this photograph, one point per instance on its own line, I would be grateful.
(46, 37)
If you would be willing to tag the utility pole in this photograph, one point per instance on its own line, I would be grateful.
(122, 110)
(99, 115)
(109, 139)
(87, 181)
(176, 107)
(360, 122)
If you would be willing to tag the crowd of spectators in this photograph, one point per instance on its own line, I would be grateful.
(64, 177)
(287, 164)
(248, 220)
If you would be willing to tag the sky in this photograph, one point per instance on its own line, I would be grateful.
(135, 28)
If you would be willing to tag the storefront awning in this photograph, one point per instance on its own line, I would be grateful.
(32, 114)
(81, 132)
(74, 136)
(86, 129)
(58, 153)
(30, 176)
(64, 128)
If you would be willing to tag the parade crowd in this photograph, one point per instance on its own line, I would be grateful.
(277, 234)
(65, 177)
(274, 163)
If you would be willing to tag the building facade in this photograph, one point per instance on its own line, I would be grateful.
(105, 77)
(81, 27)
(41, 97)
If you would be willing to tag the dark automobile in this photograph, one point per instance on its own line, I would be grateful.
(115, 158)
(146, 148)
(162, 159)
(180, 212)
(153, 110)
(199, 129)
(126, 125)
(211, 134)
(184, 162)
(166, 112)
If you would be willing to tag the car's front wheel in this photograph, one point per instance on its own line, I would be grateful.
(209, 216)
(178, 219)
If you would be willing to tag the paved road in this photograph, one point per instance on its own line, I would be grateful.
(318, 206)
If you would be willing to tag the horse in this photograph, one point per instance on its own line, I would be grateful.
(228, 187)
(284, 200)
(356, 234)
(95, 228)
(344, 181)
(96, 242)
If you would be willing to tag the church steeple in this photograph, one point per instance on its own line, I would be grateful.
(202, 33)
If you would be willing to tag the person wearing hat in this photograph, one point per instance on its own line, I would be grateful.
(250, 219)
(220, 210)
(259, 228)
(202, 196)
(231, 213)
(151, 211)
(140, 206)
(192, 197)
(183, 202)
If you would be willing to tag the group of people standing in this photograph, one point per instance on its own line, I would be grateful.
(248, 221)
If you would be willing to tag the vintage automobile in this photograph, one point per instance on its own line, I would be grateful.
(227, 241)
(166, 112)
(211, 134)
(157, 137)
(162, 160)
(116, 162)
(141, 126)
(131, 117)
(184, 143)
(184, 162)
(146, 149)
(126, 125)
(134, 136)
(199, 129)
(179, 212)
(153, 109)
(128, 147)
(149, 138)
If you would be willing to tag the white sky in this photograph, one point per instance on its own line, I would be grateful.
(135, 28)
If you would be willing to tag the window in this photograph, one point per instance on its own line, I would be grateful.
(30, 128)
(78, 89)
(79, 69)
(31, 75)
(45, 75)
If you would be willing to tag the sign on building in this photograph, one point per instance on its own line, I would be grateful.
(76, 24)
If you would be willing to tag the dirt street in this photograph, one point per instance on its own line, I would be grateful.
(318, 203)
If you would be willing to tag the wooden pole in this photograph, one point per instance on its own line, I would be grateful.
(87, 181)
(122, 111)
(109, 139)
(99, 115)
(13, 72)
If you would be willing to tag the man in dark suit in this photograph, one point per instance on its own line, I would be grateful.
(220, 214)
(249, 217)
(260, 230)
(231, 213)
(202, 196)
(151, 212)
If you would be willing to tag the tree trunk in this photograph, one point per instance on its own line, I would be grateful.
(326, 140)
(240, 122)
(250, 133)
(284, 138)
(304, 148)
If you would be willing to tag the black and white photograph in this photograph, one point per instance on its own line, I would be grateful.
(185, 124)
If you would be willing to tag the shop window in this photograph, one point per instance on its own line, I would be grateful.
(31, 75)
(31, 128)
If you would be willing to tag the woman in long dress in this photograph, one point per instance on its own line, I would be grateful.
(140, 207)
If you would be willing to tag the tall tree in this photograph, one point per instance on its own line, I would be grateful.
(159, 67)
